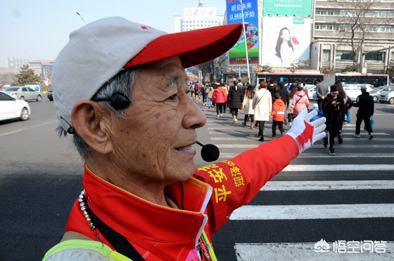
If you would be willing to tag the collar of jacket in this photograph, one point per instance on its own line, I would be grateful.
(146, 225)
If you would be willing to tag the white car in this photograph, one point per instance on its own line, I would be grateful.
(387, 94)
(23, 93)
(11, 108)
(354, 90)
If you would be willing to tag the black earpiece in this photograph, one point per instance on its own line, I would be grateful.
(118, 101)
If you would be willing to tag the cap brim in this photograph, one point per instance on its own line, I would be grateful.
(193, 47)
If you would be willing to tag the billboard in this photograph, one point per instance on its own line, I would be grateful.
(286, 41)
(237, 54)
(287, 8)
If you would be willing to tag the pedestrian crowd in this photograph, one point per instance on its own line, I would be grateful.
(280, 103)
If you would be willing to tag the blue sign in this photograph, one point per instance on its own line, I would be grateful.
(235, 11)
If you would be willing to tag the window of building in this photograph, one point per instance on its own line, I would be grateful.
(327, 27)
(326, 56)
(392, 57)
(375, 56)
(344, 56)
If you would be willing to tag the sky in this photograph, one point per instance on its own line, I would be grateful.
(38, 29)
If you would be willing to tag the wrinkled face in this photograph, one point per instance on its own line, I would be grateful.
(154, 139)
(286, 35)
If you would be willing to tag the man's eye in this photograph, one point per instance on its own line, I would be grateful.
(173, 97)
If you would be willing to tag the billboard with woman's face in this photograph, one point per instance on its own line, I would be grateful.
(285, 41)
(237, 54)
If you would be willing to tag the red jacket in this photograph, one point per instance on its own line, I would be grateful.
(278, 110)
(219, 96)
(161, 233)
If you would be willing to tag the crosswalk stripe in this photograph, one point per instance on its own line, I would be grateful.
(225, 155)
(342, 167)
(219, 132)
(328, 185)
(305, 251)
(329, 211)
(345, 146)
(243, 138)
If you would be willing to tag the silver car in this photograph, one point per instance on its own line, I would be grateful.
(23, 93)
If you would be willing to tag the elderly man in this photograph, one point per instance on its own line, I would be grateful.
(119, 88)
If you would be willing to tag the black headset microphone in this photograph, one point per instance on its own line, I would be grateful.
(119, 101)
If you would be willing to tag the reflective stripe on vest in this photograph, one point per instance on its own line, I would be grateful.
(80, 244)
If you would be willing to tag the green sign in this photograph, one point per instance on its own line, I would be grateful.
(301, 8)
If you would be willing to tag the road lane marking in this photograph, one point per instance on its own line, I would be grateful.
(344, 146)
(328, 185)
(9, 133)
(225, 155)
(303, 251)
(243, 138)
(27, 128)
(219, 132)
(342, 167)
(329, 211)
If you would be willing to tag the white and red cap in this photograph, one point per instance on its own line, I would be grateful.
(99, 50)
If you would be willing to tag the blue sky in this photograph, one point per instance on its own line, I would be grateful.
(38, 29)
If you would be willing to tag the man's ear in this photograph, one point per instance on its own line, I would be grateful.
(91, 122)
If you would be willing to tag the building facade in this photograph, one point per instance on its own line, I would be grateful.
(319, 34)
(373, 26)
(197, 18)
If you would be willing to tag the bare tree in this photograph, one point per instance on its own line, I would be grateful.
(355, 27)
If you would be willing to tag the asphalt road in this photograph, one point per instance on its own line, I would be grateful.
(40, 176)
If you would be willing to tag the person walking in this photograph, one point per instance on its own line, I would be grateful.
(292, 91)
(262, 105)
(348, 104)
(278, 114)
(334, 111)
(300, 101)
(365, 111)
(224, 89)
(247, 105)
(209, 91)
(321, 93)
(219, 98)
(235, 98)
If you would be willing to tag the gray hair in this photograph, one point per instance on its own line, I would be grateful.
(123, 83)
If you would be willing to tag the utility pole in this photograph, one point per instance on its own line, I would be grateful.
(246, 46)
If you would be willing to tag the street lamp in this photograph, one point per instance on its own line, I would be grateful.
(246, 46)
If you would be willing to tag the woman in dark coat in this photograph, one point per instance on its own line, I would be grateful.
(334, 111)
(235, 98)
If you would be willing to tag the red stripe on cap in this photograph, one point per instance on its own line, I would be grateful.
(193, 47)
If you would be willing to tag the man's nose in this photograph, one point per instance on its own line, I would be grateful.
(194, 117)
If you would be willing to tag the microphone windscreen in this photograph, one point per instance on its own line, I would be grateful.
(210, 152)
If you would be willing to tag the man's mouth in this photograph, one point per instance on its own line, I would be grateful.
(188, 149)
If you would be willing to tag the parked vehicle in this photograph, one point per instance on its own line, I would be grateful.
(11, 108)
(23, 93)
(354, 90)
(387, 95)
(50, 95)
(375, 93)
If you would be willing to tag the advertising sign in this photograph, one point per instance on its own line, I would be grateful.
(237, 54)
(286, 41)
(287, 8)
